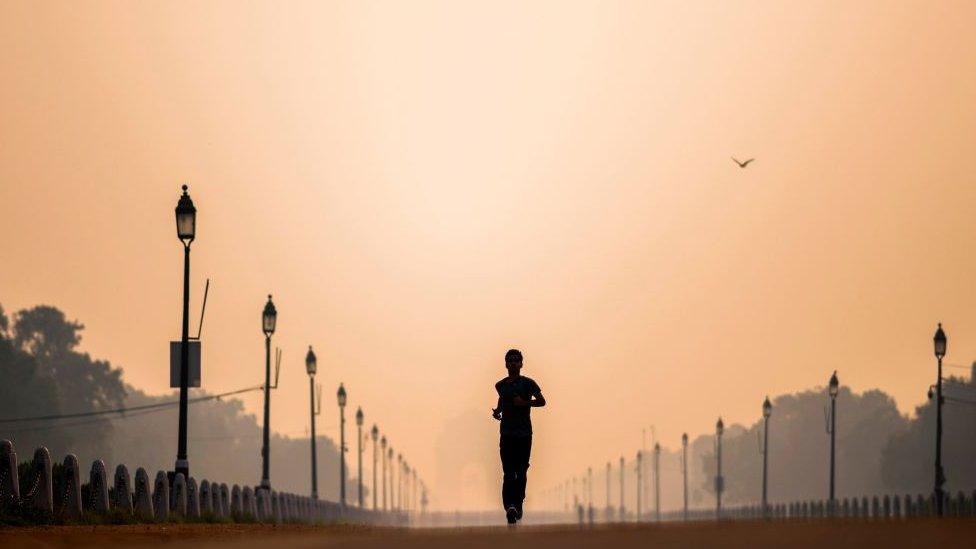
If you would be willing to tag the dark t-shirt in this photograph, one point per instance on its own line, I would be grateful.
(515, 419)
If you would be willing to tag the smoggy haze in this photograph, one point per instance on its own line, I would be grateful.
(423, 185)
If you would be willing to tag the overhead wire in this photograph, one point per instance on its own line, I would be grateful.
(129, 410)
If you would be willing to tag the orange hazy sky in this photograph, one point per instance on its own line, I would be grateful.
(423, 185)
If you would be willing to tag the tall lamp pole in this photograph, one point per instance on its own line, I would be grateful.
(383, 457)
(684, 472)
(608, 490)
(576, 499)
(399, 489)
(767, 410)
(359, 452)
(311, 366)
(186, 229)
(589, 490)
(940, 351)
(407, 497)
(374, 434)
(657, 482)
(405, 486)
(566, 492)
(832, 388)
(622, 510)
(389, 459)
(719, 479)
(423, 499)
(406, 483)
(341, 397)
(640, 472)
(269, 319)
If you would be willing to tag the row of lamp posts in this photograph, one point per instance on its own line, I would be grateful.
(186, 232)
(186, 223)
(833, 388)
(311, 367)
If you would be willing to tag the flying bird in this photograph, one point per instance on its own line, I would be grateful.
(742, 164)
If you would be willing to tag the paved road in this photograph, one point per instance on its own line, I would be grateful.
(745, 535)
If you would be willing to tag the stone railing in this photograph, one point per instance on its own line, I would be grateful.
(57, 491)
(874, 508)
(885, 507)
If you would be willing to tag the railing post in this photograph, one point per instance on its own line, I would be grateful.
(206, 499)
(247, 503)
(123, 489)
(9, 484)
(71, 497)
(161, 497)
(192, 499)
(236, 504)
(179, 495)
(98, 485)
(144, 499)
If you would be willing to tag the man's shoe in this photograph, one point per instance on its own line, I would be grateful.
(518, 513)
(511, 515)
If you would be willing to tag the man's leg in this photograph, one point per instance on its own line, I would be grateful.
(522, 469)
(508, 448)
(508, 471)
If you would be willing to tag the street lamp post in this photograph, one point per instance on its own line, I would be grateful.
(359, 452)
(374, 434)
(566, 492)
(684, 472)
(423, 499)
(589, 492)
(399, 483)
(940, 351)
(608, 491)
(389, 459)
(186, 230)
(576, 500)
(341, 397)
(657, 482)
(640, 472)
(622, 510)
(269, 320)
(719, 480)
(408, 500)
(405, 486)
(767, 410)
(383, 457)
(311, 366)
(832, 388)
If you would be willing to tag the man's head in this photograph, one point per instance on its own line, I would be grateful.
(513, 361)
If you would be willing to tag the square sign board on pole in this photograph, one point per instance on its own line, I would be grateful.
(193, 366)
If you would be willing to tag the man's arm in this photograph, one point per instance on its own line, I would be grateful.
(535, 401)
(497, 411)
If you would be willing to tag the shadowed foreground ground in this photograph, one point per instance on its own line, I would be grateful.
(751, 535)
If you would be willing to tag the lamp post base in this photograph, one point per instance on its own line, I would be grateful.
(182, 466)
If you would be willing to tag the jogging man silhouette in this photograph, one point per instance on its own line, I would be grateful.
(517, 395)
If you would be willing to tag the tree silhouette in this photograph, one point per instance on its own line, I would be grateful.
(908, 459)
(799, 448)
(44, 374)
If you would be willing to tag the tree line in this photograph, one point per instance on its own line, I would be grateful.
(42, 372)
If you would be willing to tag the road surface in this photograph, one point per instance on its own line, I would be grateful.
(744, 535)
